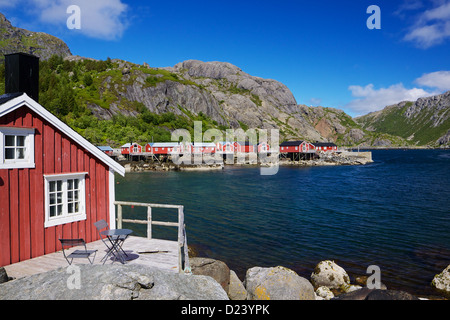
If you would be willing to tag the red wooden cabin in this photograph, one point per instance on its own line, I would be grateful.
(106, 149)
(296, 147)
(243, 146)
(131, 148)
(148, 147)
(53, 183)
(225, 147)
(325, 146)
(163, 148)
(203, 147)
(263, 147)
(125, 149)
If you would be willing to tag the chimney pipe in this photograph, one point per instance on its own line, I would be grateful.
(22, 74)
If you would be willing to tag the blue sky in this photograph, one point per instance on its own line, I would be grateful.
(322, 50)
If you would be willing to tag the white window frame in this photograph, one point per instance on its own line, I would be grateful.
(65, 217)
(28, 161)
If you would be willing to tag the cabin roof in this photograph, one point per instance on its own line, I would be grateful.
(105, 148)
(324, 144)
(12, 101)
(290, 143)
(165, 144)
(204, 144)
(8, 96)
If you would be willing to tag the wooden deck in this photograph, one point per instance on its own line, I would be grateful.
(162, 254)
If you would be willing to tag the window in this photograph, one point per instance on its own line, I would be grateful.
(64, 198)
(16, 147)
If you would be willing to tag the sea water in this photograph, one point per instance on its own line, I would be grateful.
(393, 213)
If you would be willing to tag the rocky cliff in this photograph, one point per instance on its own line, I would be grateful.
(220, 90)
(337, 126)
(423, 122)
(43, 45)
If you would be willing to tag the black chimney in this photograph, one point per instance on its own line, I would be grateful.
(22, 74)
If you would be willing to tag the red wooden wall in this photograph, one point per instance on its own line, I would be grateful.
(22, 199)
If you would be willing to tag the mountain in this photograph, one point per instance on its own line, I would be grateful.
(43, 45)
(220, 90)
(423, 122)
(116, 101)
(337, 126)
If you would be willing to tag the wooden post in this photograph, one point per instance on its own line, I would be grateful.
(149, 222)
(119, 216)
(180, 237)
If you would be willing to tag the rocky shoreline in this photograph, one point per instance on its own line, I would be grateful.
(325, 159)
(209, 279)
(328, 281)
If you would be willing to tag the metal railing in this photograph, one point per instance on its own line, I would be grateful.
(182, 239)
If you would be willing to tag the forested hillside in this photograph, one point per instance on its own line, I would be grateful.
(68, 87)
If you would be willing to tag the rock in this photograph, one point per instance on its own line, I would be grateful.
(360, 294)
(277, 283)
(349, 288)
(362, 281)
(444, 140)
(236, 291)
(327, 273)
(324, 293)
(215, 269)
(379, 294)
(42, 44)
(441, 281)
(376, 294)
(3, 275)
(112, 282)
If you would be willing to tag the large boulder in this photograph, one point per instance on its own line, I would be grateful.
(376, 294)
(441, 281)
(327, 273)
(112, 282)
(236, 290)
(215, 269)
(324, 293)
(3, 275)
(379, 294)
(277, 283)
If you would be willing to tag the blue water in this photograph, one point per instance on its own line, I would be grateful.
(394, 213)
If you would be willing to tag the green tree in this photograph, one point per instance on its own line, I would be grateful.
(87, 79)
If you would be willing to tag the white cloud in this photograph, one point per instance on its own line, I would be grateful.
(101, 19)
(438, 79)
(7, 3)
(315, 101)
(371, 99)
(432, 27)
